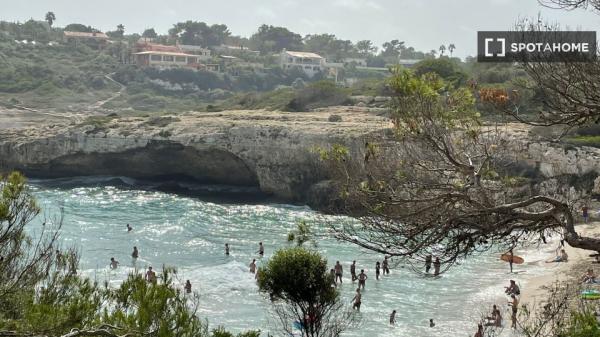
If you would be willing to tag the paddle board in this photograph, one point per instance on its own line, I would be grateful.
(515, 259)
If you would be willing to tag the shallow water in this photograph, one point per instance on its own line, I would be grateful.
(190, 234)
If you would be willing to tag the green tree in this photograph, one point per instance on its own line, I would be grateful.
(150, 33)
(392, 48)
(199, 33)
(442, 50)
(444, 67)
(298, 282)
(451, 48)
(120, 30)
(271, 39)
(366, 47)
(50, 18)
(78, 27)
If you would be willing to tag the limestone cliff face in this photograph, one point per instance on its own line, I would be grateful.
(269, 150)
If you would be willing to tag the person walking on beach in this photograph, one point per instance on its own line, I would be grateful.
(428, 260)
(129, 228)
(253, 266)
(393, 317)
(188, 287)
(227, 249)
(362, 279)
(515, 308)
(113, 263)
(135, 254)
(357, 300)
(377, 272)
(339, 270)
(585, 213)
(353, 271)
(385, 266)
(150, 275)
(436, 266)
(261, 249)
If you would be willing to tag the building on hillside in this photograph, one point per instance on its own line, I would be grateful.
(203, 53)
(309, 63)
(96, 38)
(359, 62)
(408, 63)
(144, 45)
(164, 59)
(235, 50)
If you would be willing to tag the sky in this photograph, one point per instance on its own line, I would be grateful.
(423, 24)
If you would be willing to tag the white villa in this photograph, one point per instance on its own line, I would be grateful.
(203, 53)
(165, 59)
(309, 63)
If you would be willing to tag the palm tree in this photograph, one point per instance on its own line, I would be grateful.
(433, 52)
(50, 18)
(121, 29)
(442, 50)
(451, 48)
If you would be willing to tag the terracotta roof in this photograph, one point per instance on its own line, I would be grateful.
(96, 35)
(153, 52)
(303, 54)
(158, 47)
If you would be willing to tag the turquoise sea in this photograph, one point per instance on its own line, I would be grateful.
(190, 234)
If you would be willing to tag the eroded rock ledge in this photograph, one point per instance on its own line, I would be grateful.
(270, 150)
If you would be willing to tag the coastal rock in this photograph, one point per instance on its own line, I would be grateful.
(273, 151)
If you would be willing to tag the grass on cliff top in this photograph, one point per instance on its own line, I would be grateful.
(592, 141)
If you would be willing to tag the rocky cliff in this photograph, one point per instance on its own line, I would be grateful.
(271, 152)
(268, 150)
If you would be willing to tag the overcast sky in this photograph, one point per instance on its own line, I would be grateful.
(424, 24)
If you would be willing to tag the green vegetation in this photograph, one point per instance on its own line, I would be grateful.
(298, 282)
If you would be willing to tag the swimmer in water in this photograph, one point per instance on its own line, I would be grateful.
(113, 263)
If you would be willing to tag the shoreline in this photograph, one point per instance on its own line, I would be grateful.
(535, 292)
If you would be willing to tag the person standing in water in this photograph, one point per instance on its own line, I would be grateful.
(188, 287)
(393, 317)
(385, 266)
(428, 260)
(338, 272)
(129, 228)
(353, 271)
(431, 324)
(479, 332)
(150, 275)
(377, 267)
(253, 266)
(510, 259)
(332, 277)
(113, 263)
(515, 308)
(357, 300)
(261, 249)
(436, 266)
(135, 254)
(362, 279)
(227, 249)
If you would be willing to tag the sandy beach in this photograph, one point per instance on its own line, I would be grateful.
(534, 293)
